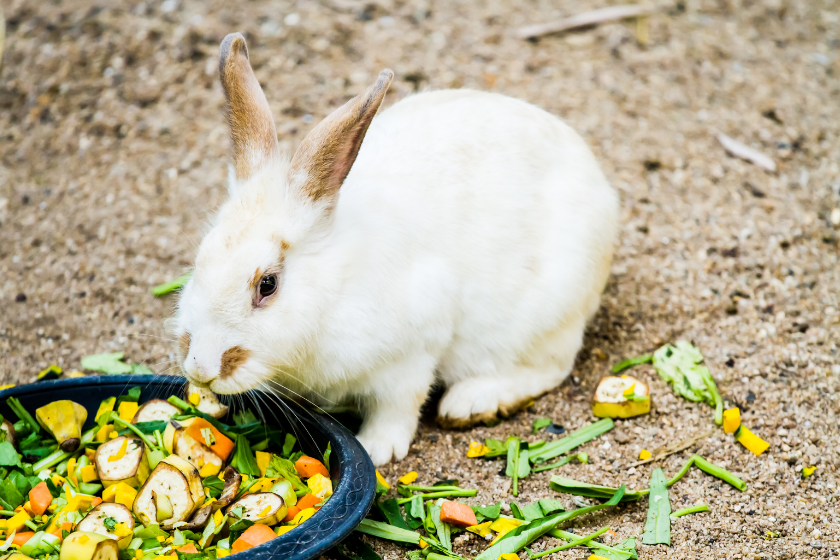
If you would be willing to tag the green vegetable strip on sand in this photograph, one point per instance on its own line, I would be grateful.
(577, 438)
(582, 541)
(631, 362)
(388, 532)
(582, 457)
(618, 552)
(689, 510)
(658, 524)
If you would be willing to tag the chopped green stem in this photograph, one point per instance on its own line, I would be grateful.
(389, 532)
(22, 413)
(149, 443)
(445, 494)
(627, 364)
(431, 488)
(566, 536)
(561, 462)
(690, 510)
(180, 403)
(571, 544)
(578, 437)
(171, 286)
(718, 472)
(159, 440)
(31, 525)
(244, 490)
(7, 512)
(712, 387)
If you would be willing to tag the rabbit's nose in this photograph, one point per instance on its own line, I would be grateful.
(199, 373)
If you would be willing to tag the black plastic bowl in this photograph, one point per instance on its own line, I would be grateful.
(349, 463)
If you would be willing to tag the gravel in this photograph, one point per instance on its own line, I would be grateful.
(114, 151)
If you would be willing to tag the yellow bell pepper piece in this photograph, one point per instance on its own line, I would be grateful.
(105, 407)
(7, 386)
(508, 556)
(89, 473)
(279, 530)
(110, 493)
(808, 471)
(477, 450)
(125, 495)
(320, 485)
(382, 480)
(71, 474)
(596, 557)
(482, 529)
(209, 469)
(17, 521)
(263, 459)
(408, 478)
(265, 512)
(194, 399)
(751, 441)
(127, 410)
(78, 502)
(503, 526)
(644, 455)
(222, 553)
(218, 518)
(103, 432)
(302, 516)
(122, 530)
(731, 420)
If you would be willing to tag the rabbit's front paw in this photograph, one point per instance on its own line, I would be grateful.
(384, 441)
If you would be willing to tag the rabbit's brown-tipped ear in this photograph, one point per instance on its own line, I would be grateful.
(326, 155)
(251, 125)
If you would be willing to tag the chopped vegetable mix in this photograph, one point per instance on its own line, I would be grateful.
(161, 480)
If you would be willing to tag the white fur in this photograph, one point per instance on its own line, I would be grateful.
(469, 245)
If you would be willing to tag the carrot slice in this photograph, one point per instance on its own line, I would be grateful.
(307, 466)
(308, 501)
(222, 446)
(253, 536)
(188, 549)
(21, 538)
(294, 510)
(457, 514)
(40, 498)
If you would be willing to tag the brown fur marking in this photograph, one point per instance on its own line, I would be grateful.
(184, 344)
(232, 359)
(251, 124)
(326, 155)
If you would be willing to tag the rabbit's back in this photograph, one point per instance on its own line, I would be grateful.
(476, 219)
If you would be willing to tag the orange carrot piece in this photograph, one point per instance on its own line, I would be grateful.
(307, 466)
(294, 510)
(96, 501)
(40, 498)
(188, 549)
(457, 514)
(223, 446)
(21, 538)
(308, 501)
(253, 536)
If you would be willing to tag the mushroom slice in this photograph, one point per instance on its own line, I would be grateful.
(88, 546)
(264, 508)
(199, 519)
(208, 402)
(97, 521)
(232, 480)
(155, 409)
(121, 460)
(11, 434)
(174, 483)
(197, 453)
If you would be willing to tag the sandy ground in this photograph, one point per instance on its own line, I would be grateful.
(114, 151)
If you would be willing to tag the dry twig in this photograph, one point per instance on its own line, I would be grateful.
(584, 19)
(662, 452)
(744, 152)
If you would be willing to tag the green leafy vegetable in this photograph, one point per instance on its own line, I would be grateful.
(550, 505)
(679, 365)
(388, 532)
(284, 468)
(245, 418)
(171, 286)
(110, 364)
(390, 510)
(214, 484)
(414, 512)
(327, 454)
(8, 456)
(10, 496)
(23, 415)
(524, 535)
(289, 445)
(483, 513)
(582, 541)
(497, 447)
(528, 512)
(658, 524)
(582, 457)
(110, 523)
(539, 424)
(512, 470)
(443, 530)
(632, 362)
(577, 438)
(244, 459)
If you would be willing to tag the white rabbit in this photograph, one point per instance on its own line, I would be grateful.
(465, 243)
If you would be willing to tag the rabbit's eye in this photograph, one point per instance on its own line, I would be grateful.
(268, 285)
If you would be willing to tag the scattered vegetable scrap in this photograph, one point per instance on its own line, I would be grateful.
(658, 524)
(621, 397)
(113, 364)
(171, 286)
(751, 441)
(731, 420)
(149, 481)
(808, 471)
(644, 455)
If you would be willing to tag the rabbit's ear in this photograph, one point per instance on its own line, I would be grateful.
(251, 125)
(326, 155)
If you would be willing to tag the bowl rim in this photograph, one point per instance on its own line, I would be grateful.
(352, 497)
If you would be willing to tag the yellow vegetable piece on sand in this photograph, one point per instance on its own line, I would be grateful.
(620, 397)
(508, 556)
(320, 485)
(503, 526)
(127, 410)
(482, 529)
(751, 441)
(731, 420)
(422, 543)
(408, 478)
(382, 480)
(808, 471)
(477, 450)
(644, 455)
(263, 459)
(596, 557)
